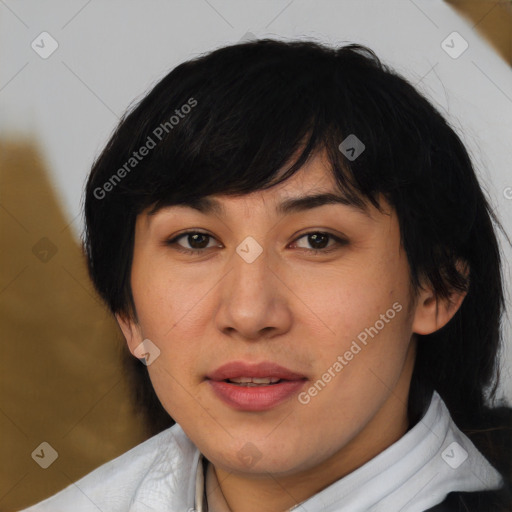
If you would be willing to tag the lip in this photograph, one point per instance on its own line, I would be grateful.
(237, 369)
(257, 398)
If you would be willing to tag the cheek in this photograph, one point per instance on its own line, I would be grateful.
(367, 317)
(174, 392)
(166, 301)
(349, 301)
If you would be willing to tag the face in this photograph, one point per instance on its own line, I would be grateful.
(315, 298)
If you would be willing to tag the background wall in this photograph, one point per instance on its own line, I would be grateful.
(61, 95)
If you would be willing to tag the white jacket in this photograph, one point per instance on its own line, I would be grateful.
(412, 475)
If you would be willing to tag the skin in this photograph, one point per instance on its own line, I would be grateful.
(296, 309)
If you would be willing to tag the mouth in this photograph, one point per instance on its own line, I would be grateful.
(254, 387)
(264, 373)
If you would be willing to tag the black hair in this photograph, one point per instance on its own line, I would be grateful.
(240, 113)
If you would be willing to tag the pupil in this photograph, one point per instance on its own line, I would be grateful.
(314, 238)
(199, 245)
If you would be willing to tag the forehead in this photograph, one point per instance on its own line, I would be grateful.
(313, 185)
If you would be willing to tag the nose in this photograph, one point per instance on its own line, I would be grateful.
(254, 300)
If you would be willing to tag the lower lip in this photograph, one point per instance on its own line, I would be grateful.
(255, 398)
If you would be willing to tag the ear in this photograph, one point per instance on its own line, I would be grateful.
(432, 313)
(131, 332)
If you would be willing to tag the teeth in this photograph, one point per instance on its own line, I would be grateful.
(264, 380)
(254, 381)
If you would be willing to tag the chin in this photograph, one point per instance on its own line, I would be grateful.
(265, 457)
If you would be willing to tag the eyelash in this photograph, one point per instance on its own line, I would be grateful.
(339, 242)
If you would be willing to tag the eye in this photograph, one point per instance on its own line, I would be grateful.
(319, 239)
(199, 241)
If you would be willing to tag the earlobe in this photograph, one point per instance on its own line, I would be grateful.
(432, 312)
(131, 332)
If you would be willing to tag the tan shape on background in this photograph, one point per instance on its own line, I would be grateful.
(61, 372)
(492, 19)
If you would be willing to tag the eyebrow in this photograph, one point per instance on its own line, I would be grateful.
(303, 203)
(208, 205)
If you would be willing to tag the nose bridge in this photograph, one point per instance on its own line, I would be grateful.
(250, 297)
(250, 280)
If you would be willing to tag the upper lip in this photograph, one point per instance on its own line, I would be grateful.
(237, 369)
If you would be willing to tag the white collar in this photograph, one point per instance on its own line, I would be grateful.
(412, 475)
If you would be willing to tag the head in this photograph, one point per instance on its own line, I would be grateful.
(384, 288)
